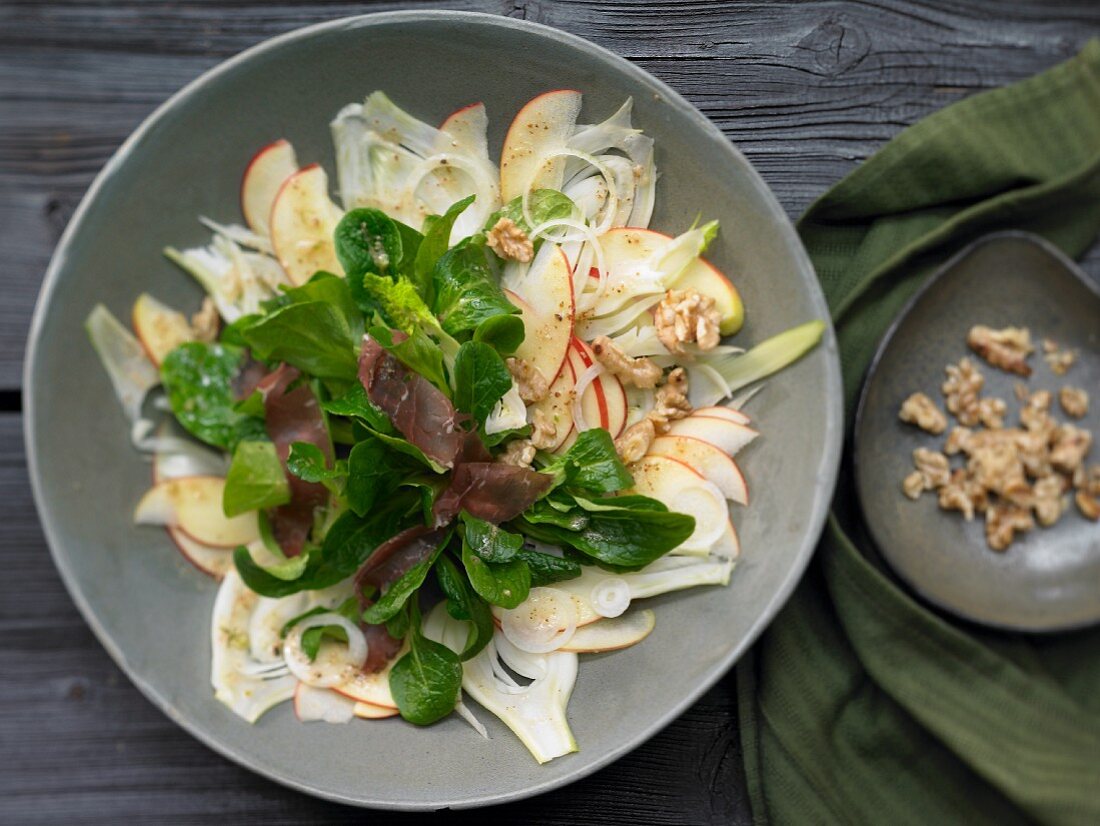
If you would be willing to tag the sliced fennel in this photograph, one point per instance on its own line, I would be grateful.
(536, 712)
(130, 369)
(236, 281)
(770, 356)
(240, 681)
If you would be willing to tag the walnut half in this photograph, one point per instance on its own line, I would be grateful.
(1007, 349)
(920, 410)
(686, 316)
(508, 240)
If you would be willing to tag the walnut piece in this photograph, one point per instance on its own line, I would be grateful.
(961, 388)
(958, 441)
(1074, 401)
(1057, 359)
(205, 323)
(686, 316)
(1047, 499)
(1003, 521)
(543, 431)
(519, 453)
(997, 467)
(913, 485)
(961, 493)
(532, 384)
(1070, 445)
(933, 467)
(640, 372)
(509, 241)
(672, 401)
(920, 410)
(991, 412)
(1007, 349)
(634, 442)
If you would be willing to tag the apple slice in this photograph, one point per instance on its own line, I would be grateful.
(372, 688)
(194, 505)
(208, 559)
(706, 460)
(701, 275)
(322, 705)
(607, 391)
(303, 220)
(159, 328)
(366, 711)
(467, 127)
(719, 412)
(612, 634)
(683, 490)
(726, 435)
(557, 406)
(728, 546)
(545, 291)
(263, 177)
(543, 126)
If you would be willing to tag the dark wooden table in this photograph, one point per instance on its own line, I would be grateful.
(806, 90)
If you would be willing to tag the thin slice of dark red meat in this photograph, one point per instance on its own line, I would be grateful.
(390, 560)
(417, 408)
(381, 647)
(489, 491)
(294, 416)
(248, 378)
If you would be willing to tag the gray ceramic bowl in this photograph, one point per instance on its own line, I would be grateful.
(1048, 579)
(151, 610)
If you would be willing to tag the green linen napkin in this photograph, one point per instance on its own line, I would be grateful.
(859, 704)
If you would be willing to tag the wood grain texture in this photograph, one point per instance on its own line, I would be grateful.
(807, 90)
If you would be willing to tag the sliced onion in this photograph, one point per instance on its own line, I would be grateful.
(585, 300)
(619, 320)
(335, 662)
(611, 596)
(266, 624)
(544, 622)
(705, 502)
(583, 380)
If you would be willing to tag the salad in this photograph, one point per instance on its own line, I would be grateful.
(440, 438)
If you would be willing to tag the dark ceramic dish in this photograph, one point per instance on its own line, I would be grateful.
(151, 610)
(1050, 579)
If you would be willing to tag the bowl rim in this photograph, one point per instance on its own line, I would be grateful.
(824, 477)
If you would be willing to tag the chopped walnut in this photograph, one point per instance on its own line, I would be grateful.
(1007, 348)
(920, 410)
(1047, 499)
(1033, 448)
(205, 323)
(958, 441)
(532, 384)
(519, 453)
(1074, 401)
(1003, 521)
(1088, 504)
(997, 467)
(991, 412)
(913, 485)
(672, 401)
(634, 442)
(961, 388)
(933, 467)
(640, 372)
(961, 493)
(543, 432)
(509, 241)
(1057, 359)
(685, 316)
(1071, 443)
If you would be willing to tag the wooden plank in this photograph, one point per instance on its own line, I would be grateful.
(83, 746)
(806, 90)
